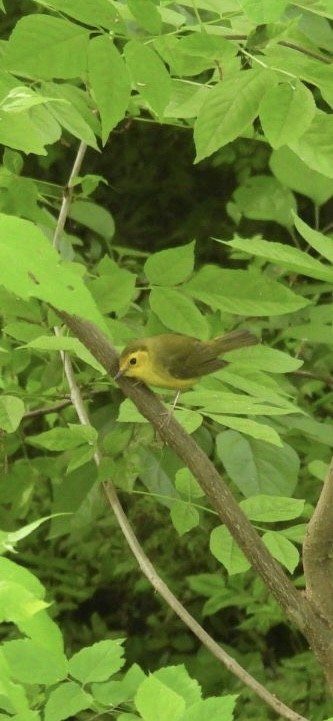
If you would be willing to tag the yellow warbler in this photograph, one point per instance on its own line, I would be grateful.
(177, 361)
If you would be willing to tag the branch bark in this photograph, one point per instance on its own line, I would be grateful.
(318, 552)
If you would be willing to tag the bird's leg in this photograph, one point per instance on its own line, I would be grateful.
(168, 414)
(175, 401)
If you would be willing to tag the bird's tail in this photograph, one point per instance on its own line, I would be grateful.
(235, 339)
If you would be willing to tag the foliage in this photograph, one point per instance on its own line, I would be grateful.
(243, 88)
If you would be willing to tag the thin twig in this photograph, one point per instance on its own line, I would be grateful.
(48, 409)
(287, 44)
(67, 195)
(328, 380)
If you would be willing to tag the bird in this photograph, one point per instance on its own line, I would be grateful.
(177, 361)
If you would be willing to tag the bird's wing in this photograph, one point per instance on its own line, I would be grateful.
(191, 360)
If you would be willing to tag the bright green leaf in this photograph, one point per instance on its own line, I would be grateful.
(178, 312)
(170, 267)
(229, 109)
(257, 467)
(288, 257)
(60, 439)
(154, 700)
(242, 292)
(92, 12)
(11, 413)
(97, 662)
(290, 170)
(261, 431)
(283, 550)
(214, 708)
(225, 549)
(263, 11)
(147, 15)
(184, 517)
(315, 147)
(264, 198)
(40, 273)
(65, 701)
(149, 75)
(269, 509)
(34, 664)
(286, 112)
(109, 81)
(47, 47)
(321, 243)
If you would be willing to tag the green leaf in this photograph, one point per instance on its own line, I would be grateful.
(11, 413)
(22, 607)
(212, 401)
(60, 439)
(184, 517)
(13, 696)
(290, 170)
(225, 549)
(10, 571)
(149, 75)
(93, 216)
(154, 700)
(115, 693)
(229, 109)
(242, 292)
(263, 12)
(128, 413)
(114, 290)
(10, 538)
(170, 267)
(40, 273)
(28, 131)
(270, 509)
(321, 243)
(186, 99)
(97, 662)
(110, 83)
(288, 257)
(47, 47)
(92, 12)
(30, 663)
(251, 428)
(315, 146)
(214, 708)
(283, 550)
(261, 357)
(255, 383)
(66, 343)
(178, 312)
(256, 467)
(187, 485)
(286, 112)
(264, 198)
(65, 701)
(147, 15)
(178, 679)
(68, 115)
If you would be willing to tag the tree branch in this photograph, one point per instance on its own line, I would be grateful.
(318, 552)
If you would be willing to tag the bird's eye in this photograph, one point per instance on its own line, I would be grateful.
(133, 361)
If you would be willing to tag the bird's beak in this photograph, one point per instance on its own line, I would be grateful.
(118, 375)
